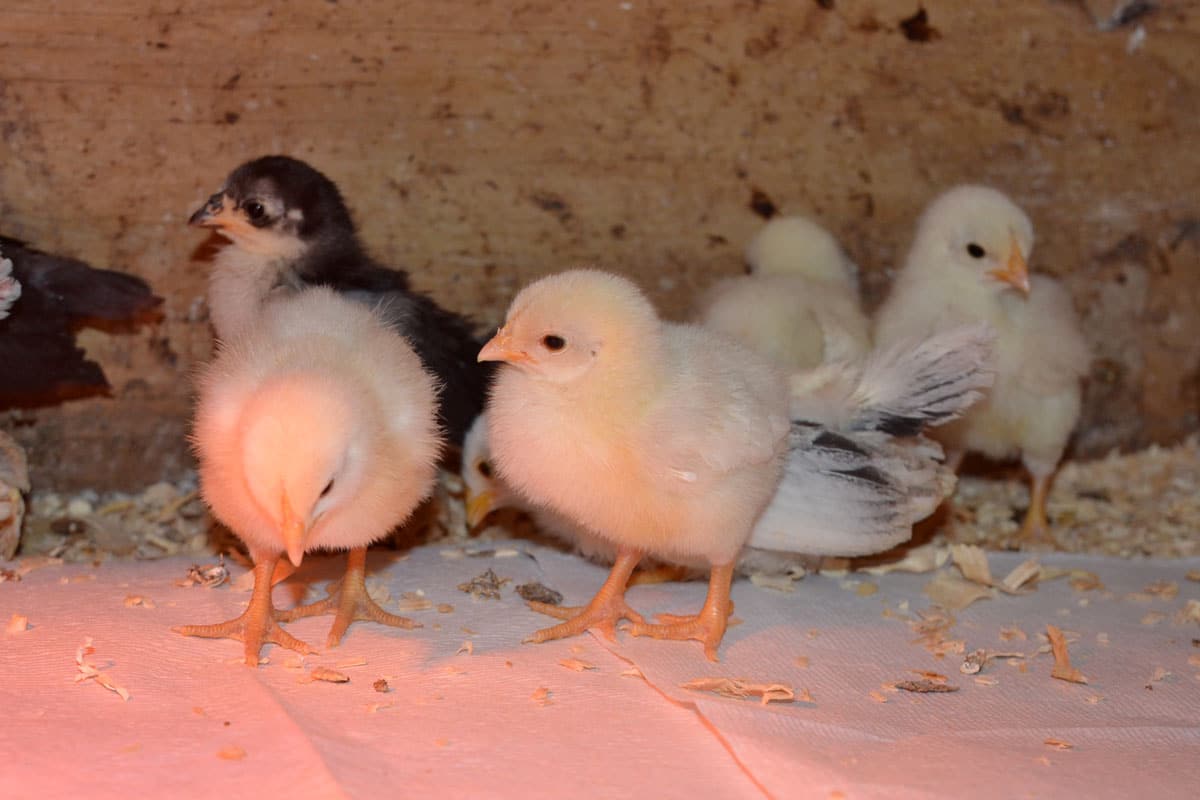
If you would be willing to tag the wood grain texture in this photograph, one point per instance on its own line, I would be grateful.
(485, 143)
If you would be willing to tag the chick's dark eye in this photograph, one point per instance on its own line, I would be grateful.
(485, 468)
(975, 251)
(553, 342)
(328, 488)
(254, 210)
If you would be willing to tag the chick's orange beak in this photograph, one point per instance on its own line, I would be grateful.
(479, 506)
(501, 348)
(1015, 271)
(293, 531)
(216, 213)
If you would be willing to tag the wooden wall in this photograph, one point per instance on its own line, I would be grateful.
(483, 143)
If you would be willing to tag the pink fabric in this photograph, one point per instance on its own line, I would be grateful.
(465, 725)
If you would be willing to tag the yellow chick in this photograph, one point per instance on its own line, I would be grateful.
(315, 429)
(968, 262)
(659, 437)
(799, 306)
(672, 440)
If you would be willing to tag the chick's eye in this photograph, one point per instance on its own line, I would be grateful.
(553, 342)
(254, 210)
(975, 251)
(485, 468)
(328, 488)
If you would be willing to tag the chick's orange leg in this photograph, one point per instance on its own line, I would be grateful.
(349, 600)
(708, 626)
(603, 613)
(1035, 528)
(256, 626)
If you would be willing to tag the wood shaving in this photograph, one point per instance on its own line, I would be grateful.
(986, 680)
(933, 627)
(381, 686)
(231, 753)
(1194, 661)
(802, 662)
(541, 696)
(208, 576)
(925, 558)
(485, 586)
(445, 608)
(972, 561)
(328, 675)
(1189, 613)
(137, 600)
(1084, 581)
(1159, 674)
(1062, 659)
(17, 623)
(1021, 574)
(632, 672)
(1011, 632)
(468, 631)
(357, 661)
(467, 647)
(936, 677)
(741, 687)
(412, 602)
(1093, 699)
(951, 591)
(1193, 575)
(866, 589)
(1168, 590)
(1153, 617)
(1128, 505)
(89, 672)
(778, 583)
(1058, 744)
(538, 593)
(877, 696)
(1102, 639)
(926, 686)
(576, 664)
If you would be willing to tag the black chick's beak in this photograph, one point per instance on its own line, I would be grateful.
(209, 215)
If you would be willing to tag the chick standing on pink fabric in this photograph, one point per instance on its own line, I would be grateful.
(315, 429)
(673, 439)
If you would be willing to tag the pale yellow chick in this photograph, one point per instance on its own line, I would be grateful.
(799, 306)
(661, 438)
(315, 429)
(968, 263)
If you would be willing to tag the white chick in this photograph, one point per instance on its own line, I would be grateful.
(968, 263)
(799, 306)
(315, 429)
(667, 439)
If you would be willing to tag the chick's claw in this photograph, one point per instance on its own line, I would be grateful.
(607, 608)
(708, 626)
(257, 625)
(349, 601)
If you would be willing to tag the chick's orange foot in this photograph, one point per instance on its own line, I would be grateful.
(257, 625)
(707, 627)
(349, 601)
(607, 608)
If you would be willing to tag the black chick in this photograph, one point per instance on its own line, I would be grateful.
(290, 228)
(51, 297)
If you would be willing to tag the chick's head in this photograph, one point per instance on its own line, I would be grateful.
(303, 451)
(276, 205)
(484, 490)
(573, 324)
(799, 246)
(976, 237)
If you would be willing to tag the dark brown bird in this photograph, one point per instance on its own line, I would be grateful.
(44, 300)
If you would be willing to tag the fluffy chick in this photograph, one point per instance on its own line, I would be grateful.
(672, 440)
(968, 262)
(314, 430)
(289, 228)
(44, 300)
(799, 305)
